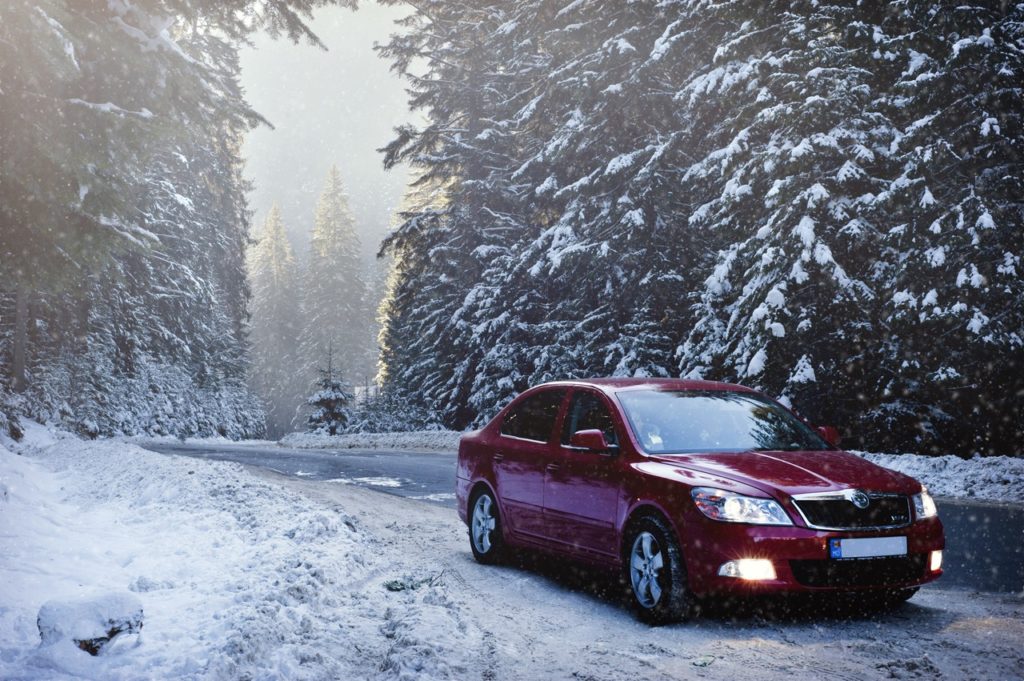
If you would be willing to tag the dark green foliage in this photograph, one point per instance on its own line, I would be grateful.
(330, 403)
(820, 199)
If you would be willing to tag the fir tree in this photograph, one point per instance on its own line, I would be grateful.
(276, 324)
(949, 277)
(122, 210)
(333, 291)
(782, 194)
(330, 403)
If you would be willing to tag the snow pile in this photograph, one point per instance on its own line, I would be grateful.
(993, 478)
(239, 578)
(420, 440)
(86, 619)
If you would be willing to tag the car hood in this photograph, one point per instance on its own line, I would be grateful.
(796, 472)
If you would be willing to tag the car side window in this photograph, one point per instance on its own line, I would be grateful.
(534, 417)
(588, 412)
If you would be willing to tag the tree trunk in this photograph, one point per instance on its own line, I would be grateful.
(20, 338)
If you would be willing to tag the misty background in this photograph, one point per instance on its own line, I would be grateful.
(333, 106)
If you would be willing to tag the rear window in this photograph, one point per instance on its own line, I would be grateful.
(534, 417)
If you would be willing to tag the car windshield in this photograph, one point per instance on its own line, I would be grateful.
(682, 422)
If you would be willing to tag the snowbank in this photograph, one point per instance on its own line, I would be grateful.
(420, 440)
(992, 478)
(238, 578)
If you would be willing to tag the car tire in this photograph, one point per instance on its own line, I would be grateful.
(485, 531)
(655, 573)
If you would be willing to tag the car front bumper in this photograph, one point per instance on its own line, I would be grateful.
(800, 558)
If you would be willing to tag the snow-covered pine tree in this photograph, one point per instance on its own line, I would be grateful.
(795, 149)
(951, 341)
(333, 293)
(594, 284)
(276, 323)
(330, 403)
(741, 182)
(123, 210)
(475, 91)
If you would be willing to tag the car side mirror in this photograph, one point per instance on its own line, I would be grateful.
(830, 434)
(591, 440)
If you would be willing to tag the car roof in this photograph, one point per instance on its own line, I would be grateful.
(610, 385)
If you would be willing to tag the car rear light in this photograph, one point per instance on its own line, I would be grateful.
(935, 562)
(753, 569)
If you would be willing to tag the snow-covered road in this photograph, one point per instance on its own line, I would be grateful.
(262, 576)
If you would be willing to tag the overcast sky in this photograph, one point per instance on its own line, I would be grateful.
(337, 106)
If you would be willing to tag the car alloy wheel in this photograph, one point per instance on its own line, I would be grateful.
(485, 529)
(656, 573)
(645, 564)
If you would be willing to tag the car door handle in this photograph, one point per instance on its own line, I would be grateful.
(552, 467)
(498, 457)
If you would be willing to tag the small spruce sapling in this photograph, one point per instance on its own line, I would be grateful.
(330, 402)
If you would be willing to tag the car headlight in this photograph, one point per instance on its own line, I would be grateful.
(924, 505)
(718, 504)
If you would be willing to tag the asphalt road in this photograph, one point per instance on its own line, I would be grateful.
(984, 541)
(428, 476)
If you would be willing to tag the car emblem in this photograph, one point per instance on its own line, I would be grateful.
(859, 499)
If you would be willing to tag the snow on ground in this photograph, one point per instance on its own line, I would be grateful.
(420, 440)
(238, 577)
(245, 575)
(995, 478)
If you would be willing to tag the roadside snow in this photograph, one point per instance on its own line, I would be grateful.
(246, 575)
(420, 440)
(238, 578)
(992, 478)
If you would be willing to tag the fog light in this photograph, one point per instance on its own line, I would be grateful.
(936, 561)
(754, 569)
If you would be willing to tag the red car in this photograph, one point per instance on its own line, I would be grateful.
(692, 488)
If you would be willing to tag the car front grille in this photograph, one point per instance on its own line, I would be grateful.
(859, 571)
(838, 513)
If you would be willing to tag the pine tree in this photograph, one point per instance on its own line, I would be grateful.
(465, 160)
(122, 209)
(779, 193)
(276, 324)
(949, 279)
(330, 403)
(333, 292)
(600, 238)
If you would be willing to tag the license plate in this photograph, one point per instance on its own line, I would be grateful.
(870, 547)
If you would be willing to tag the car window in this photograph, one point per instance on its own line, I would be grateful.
(534, 417)
(588, 412)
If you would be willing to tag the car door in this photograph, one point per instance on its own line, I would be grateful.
(582, 487)
(524, 448)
